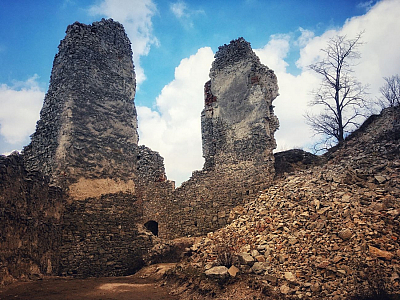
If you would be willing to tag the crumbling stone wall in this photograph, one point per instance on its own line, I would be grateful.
(86, 138)
(86, 142)
(31, 218)
(101, 237)
(153, 189)
(238, 125)
(238, 122)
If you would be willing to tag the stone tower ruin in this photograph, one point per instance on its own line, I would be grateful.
(238, 126)
(86, 138)
(238, 122)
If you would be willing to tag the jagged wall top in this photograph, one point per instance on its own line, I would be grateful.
(110, 32)
(233, 52)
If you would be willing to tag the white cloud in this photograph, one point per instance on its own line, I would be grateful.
(367, 5)
(380, 57)
(273, 54)
(175, 129)
(136, 16)
(293, 94)
(305, 37)
(183, 13)
(179, 9)
(20, 107)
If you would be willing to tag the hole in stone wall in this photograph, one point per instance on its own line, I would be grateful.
(152, 226)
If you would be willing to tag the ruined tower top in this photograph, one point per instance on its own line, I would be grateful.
(235, 51)
(87, 132)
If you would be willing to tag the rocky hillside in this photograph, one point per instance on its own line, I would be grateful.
(327, 232)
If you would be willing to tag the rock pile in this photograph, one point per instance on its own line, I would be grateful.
(322, 233)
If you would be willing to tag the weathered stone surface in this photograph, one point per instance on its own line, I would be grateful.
(238, 126)
(345, 234)
(87, 130)
(246, 259)
(233, 270)
(219, 272)
(30, 222)
(380, 253)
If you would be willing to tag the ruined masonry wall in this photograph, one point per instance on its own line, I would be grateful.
(100, 237)
(31, 218)
(238, 126)
(88, 124)
(86, 143)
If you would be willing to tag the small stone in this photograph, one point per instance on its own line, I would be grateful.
(316, 287)
(289, 276)
(379, 179)
(284, 289)
(246, 259)
(259, 267)
(346, 198)
(271, 278)
(345, 234)
(254, 253)
(380, 253)
(281, 258)
(260, 258)
(219, 272)
(317, 204)
(343, 272)
(233, 271)
(394, 277)
(336, 259)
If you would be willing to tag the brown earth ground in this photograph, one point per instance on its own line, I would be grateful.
(147, 284)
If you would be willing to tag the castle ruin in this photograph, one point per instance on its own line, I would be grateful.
(102, 187)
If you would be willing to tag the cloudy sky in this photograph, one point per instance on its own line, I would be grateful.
(174, 43)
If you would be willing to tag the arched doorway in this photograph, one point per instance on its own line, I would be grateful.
(152, 226)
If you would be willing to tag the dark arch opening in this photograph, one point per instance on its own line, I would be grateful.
(152, 226)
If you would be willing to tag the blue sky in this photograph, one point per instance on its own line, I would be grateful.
(31, 30)
(174, 43)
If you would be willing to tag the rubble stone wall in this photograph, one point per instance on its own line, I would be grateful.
(88, 124)
(238, 125)
(31, 218)
(101, 236)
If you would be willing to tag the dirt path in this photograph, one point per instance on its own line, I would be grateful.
(145, 285)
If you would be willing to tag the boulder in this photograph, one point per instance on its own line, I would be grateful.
(219, 272)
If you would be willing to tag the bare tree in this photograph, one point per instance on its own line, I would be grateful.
(390, 92)
(340, 95)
